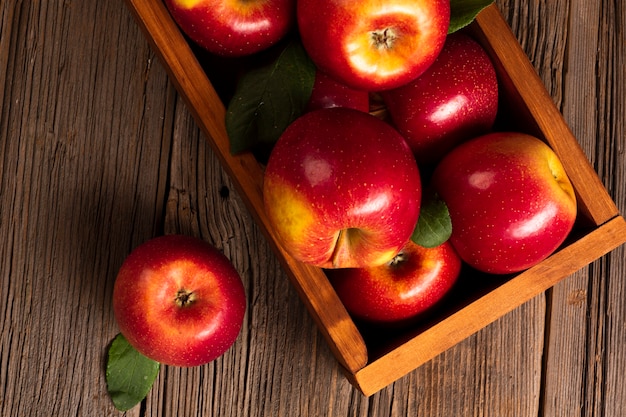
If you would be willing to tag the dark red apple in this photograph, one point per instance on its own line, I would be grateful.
(234, 28)
(400, 290)
(373, 45)
(328, 92)
(454, 100)
(510, 201)
(179, 301)
(342, 189)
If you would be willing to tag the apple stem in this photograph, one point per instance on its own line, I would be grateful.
(184, 298)
(383, 39)
(398, 259)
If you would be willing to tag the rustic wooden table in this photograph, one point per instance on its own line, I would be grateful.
(98, 154)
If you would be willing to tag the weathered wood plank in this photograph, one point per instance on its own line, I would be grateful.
(81, 177)
(586, 343)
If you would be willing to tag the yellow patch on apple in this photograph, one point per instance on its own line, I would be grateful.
(291, 212)
(351, 248)
(187, 4)
(240, 5)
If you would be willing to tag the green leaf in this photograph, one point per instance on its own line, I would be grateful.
(269, 98)
(129, 374)
(463, 12)
(434, 226)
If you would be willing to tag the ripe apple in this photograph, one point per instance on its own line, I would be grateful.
(179, 301)
(342, 189)
(234, 28)
(510, 201)
(373, 45)
(454, 100)
(328, 92)
(401, 290)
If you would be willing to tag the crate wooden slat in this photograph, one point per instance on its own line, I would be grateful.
(601, 228)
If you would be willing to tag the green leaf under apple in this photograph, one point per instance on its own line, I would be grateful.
(269, 98)
(129, 374)
(463, 12)
(434, 225)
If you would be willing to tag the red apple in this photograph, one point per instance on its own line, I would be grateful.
(373, 45)
(400, 290)
(454, 100)
(328, 92)
(234, 28)
(179, 301)
(342, 189)
(510, 201)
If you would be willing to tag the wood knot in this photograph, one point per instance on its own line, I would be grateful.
(577, 297)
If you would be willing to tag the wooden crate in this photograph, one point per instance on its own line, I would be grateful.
(368, 363)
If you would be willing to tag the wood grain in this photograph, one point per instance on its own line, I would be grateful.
(587, 355)
(98, 153)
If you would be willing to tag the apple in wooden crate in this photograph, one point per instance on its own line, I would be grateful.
(328, 92)
(401, 290)
(454, 100)
(234, 28)
(370, 44)
(179, 301)
(510, 201)
(342, 189)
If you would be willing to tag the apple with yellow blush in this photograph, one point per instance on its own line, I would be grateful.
(510, 200)
(342, 189)
(179, 301)
(373, 45)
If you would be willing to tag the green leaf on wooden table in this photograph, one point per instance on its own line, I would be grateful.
(129, 374)
(434, 226)
(269, 98)
(463, 12)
